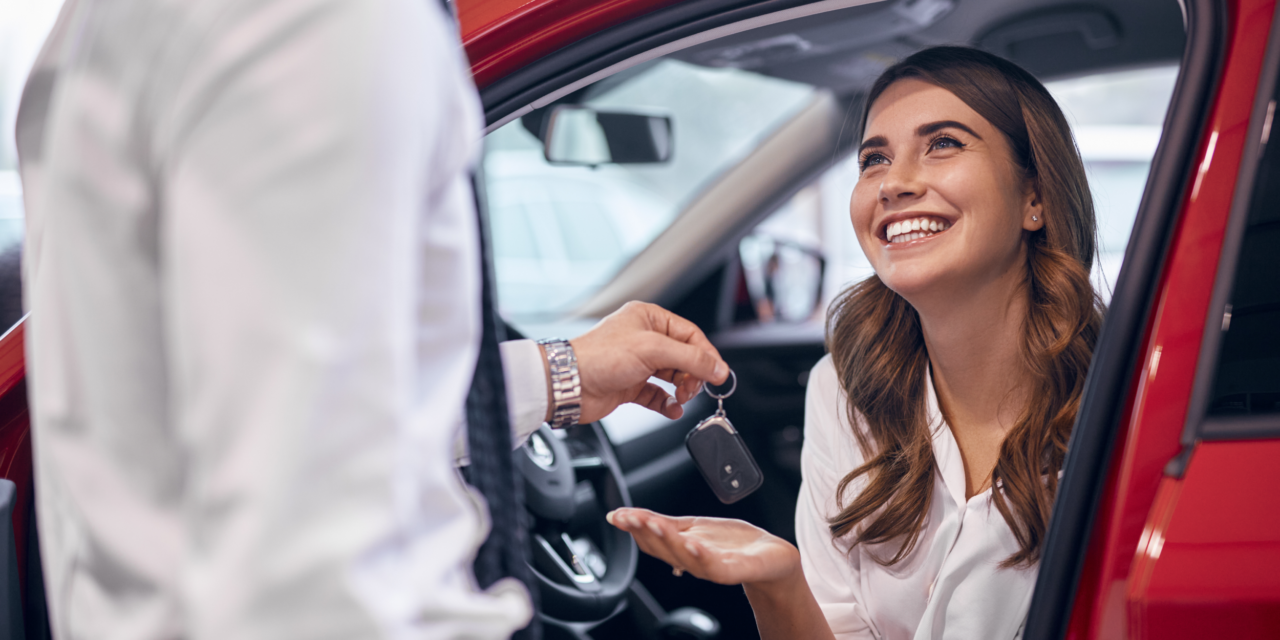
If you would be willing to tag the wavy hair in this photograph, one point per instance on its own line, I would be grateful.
(879, 353)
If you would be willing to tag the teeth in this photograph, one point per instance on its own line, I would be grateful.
(908, 230)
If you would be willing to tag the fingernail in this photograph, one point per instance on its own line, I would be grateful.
(653, 526)
(721, 370)
(669, 401)
(609, 517)
(693, 551)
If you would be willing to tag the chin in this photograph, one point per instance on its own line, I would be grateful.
(907, 285)
(916, 283)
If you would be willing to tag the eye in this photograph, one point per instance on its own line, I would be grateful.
(945, 142)
(870, 159)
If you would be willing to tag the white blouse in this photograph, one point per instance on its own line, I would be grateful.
(950, 586)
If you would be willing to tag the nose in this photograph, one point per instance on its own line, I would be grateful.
(901, 182)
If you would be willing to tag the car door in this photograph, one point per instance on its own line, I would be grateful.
(1160, 530)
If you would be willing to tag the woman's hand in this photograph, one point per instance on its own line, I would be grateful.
(734, 552)
(715, 549)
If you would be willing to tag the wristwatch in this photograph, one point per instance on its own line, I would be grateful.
(566, 384)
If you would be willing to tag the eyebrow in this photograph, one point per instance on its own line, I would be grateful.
(921, 131)
(934, 127)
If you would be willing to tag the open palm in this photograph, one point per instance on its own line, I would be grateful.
(716, 549)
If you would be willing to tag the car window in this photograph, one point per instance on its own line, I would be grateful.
(1247, 376)
(560, 232)
(23, 28)
(1116, 118)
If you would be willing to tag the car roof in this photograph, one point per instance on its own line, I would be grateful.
(843, 48)
(502, 36)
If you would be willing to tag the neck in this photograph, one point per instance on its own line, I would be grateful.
(974, 344)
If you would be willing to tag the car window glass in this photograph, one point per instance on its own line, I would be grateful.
(23, 28)
(560, 232)
(1247, 377)
(1116, 118)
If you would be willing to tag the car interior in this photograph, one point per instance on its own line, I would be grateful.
(698, 158)
(714, 180)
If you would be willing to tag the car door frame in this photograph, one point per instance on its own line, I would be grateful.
(1128, 436)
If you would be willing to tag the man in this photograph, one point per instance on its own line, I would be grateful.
(252, 275)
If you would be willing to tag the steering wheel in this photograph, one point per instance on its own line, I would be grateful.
(582, 565)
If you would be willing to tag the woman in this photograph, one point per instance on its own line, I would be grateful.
(958, 367)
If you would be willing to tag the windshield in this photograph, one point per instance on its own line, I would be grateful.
(560, 232)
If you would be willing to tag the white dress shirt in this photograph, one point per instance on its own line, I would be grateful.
(252, 275)
(950, 587)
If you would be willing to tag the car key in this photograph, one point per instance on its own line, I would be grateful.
(721, 455)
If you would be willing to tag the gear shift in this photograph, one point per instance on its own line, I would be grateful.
(685, 623)
(688, 623)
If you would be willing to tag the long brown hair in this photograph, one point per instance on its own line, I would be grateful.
(879, 352)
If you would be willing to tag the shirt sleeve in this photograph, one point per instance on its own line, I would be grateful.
(526, 378)
(829, 452)
(526, 382)
(321, 279)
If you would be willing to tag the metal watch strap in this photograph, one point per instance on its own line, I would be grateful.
(566, 384)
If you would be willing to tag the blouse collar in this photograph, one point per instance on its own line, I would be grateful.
(945, 449)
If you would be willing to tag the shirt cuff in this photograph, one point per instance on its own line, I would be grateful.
(526, 379)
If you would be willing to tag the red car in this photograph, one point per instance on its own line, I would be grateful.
(725, 207)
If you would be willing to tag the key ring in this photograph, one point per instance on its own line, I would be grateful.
(732, 376)
(720, 398)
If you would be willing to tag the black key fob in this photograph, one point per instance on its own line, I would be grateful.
(723, 459)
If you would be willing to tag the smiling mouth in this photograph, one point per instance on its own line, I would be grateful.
(914, 229)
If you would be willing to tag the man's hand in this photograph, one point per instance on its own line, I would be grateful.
(617, 357)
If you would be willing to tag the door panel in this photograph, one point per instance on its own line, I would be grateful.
(1206, 564)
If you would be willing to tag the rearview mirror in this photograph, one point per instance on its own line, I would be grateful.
(578, 135)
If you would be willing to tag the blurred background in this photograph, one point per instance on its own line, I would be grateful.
(562, 232)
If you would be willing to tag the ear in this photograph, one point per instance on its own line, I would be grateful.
(1032, 210)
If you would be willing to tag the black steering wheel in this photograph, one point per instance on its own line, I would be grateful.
(582, 565)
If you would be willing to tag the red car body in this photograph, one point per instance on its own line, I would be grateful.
(1191, 554)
